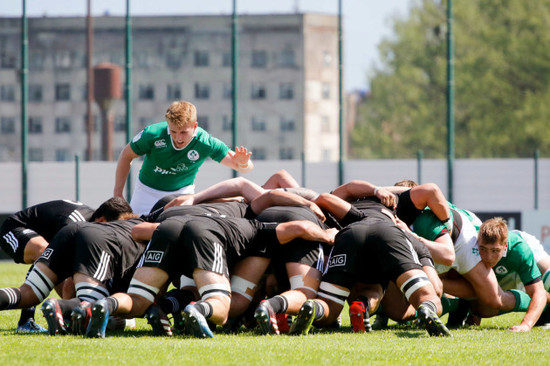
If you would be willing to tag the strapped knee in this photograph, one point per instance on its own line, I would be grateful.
(146, 291)
(215, 289)
(333, 293)
(90, 292)
(40, 284)
(414, 283)
(297, 282)
(243, 287)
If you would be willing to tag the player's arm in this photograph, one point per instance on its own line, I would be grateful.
(123, 168)
(230, 188)
(536, 306)
(144, 232)
(282, 198)
(360, 188)
(288, 231)
(238, 160)
(442, 248)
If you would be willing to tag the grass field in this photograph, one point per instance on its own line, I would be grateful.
(490, 344)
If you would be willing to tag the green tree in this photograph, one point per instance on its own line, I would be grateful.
(502, 78)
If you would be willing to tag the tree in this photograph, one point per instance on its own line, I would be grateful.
(502, 75)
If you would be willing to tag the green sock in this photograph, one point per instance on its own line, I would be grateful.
(449, 304)
(522, 302)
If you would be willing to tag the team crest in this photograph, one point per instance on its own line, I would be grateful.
(159, 144)
(193, 155)
(501, 270)
(337, 260)
(475, 251)
(154, 256)
(46, 254)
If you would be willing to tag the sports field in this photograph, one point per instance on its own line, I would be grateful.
(490, 344)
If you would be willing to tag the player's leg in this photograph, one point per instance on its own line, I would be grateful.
(281, 179)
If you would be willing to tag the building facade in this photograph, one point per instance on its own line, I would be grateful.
(287, 82)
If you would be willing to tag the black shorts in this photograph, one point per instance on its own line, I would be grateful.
(14, 239)
(59, 254)
(370, 251)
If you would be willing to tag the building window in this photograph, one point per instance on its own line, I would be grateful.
(201, 58)
(120, 124)
(258, 124)
(36, 61)
(258, 153)
(227, 59)
(144, 60)
(286, 58)
(227, 123)
(62, 155)
(327, 58)
(173, 92)
(36, 154)
(227, 91)
(7, 93)
(35, 93)
(259, 59)
(146, 92)
(287, 124)
(62, 125)
(325, 91)
(286, 153)
(173, 59)
(7, 61)
(258, 91)
(35, 125)
(325, 124)
(7, 125)
(62, 92)
(203, 122)
(62, 59)
(286, 90)
(202, 91)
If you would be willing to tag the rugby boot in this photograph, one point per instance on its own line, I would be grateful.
(53, 315)
(431, 322)
(265, 316)
(303, 321)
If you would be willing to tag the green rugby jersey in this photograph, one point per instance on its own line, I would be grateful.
(518, 259)
(168, 169)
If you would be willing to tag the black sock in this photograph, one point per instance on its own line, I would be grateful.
(10, 297)
(279, 304)
(175, 300)
(67, 306)
(205, 308)
(26, 314)
(112, 304)
(430, 305)
(319, 310)
(365, 301)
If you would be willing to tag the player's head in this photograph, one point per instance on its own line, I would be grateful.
(181, 114)
(115, 208)
(182, 123)
(406, 183)
(492, 240)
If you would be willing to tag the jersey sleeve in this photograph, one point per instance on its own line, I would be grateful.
(218, 147)
(141, 144)
(528, 270)
(428, 226)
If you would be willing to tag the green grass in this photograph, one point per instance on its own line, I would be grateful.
(490, 344)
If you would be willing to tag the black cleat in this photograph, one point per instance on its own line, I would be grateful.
(457, 318)
(54, 317)
(158, 321)
(431, 322)
(80, 317)
(98, 322)
(303, 321)
(266, 319)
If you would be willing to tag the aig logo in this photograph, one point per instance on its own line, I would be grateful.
(501, 270)
(154, 256)
(337, 260)
(47, 253)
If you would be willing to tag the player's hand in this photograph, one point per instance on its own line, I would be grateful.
(331, 235)
(401, 224)
(317, 211)
(520, 328)
(242, 156)
(387, 198)
(180, 201)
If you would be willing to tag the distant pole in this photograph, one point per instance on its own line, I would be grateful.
(77, 176)
(450, 101)
(234, 81)
(537, 154)
(340, 100)
(24, 101)
(90, 81)
(419, 157)
(128, 91)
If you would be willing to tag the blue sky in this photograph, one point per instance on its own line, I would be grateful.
(365, 22)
